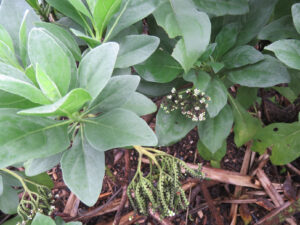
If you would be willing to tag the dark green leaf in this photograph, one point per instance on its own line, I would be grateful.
(221, 7)
(83, 170)
(160, 67)
(96, 67)
(226, 39)
(218, 94)
(9, 199)
(213, 131)
(208, 155)
(245, 126)
(287, 51)
(135, 49)
(66, 106)
(242, 56)
(266, 73)
(279, 29)
(13, 221)
(252, 22)
(172, 127)
(246, 96)
(23, 138)
(283, 138)
(118, 128)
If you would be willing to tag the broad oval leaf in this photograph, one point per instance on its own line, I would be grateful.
(22, 88)
(242, 56)
(96, 67)
(213, 131)
(296, 16)
(139, 104)
(47, 86)
(279, 29)
(66, 106)
(35, 167)
(266, 73)
(287, 51)
(223, 7)
(181, 18)
(159, 67)
(23, 138)
(116, 92)
(245, 126)
(218, 94)
(45, 51)
(40, 219)
(199, 78)
(172, 127)
(135, 49)
(118, 128)
(131, 11)
(206, 154)
(83, 170)
(284, 140)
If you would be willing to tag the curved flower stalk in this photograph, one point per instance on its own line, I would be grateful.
(160, 189)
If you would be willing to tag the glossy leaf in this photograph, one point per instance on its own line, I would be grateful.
(21, 88)
(135, 49)
(172, 127)
(23, 138)
(117, 91)
(46, 85)
(206, 154)
(245, 126)
(221, 7)
(252, 22)
(296, 16)
(45, 51)
(139, 104)
(96, 67)
(266, 73)
(118, 128)
(65, 106)
(283, 138)
(226, 39)
(131, 11)
(64, 36)
(218, 94)
(180, 18)
(287, 51)
(40, 219)
(213, 131)
(78, 4)
(65, 7)
(242, 56)
(103, 12)
(83, 170)
(160, 67)
(279, 29)
(34, 167)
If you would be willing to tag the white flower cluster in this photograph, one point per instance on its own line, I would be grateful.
(191, 102)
